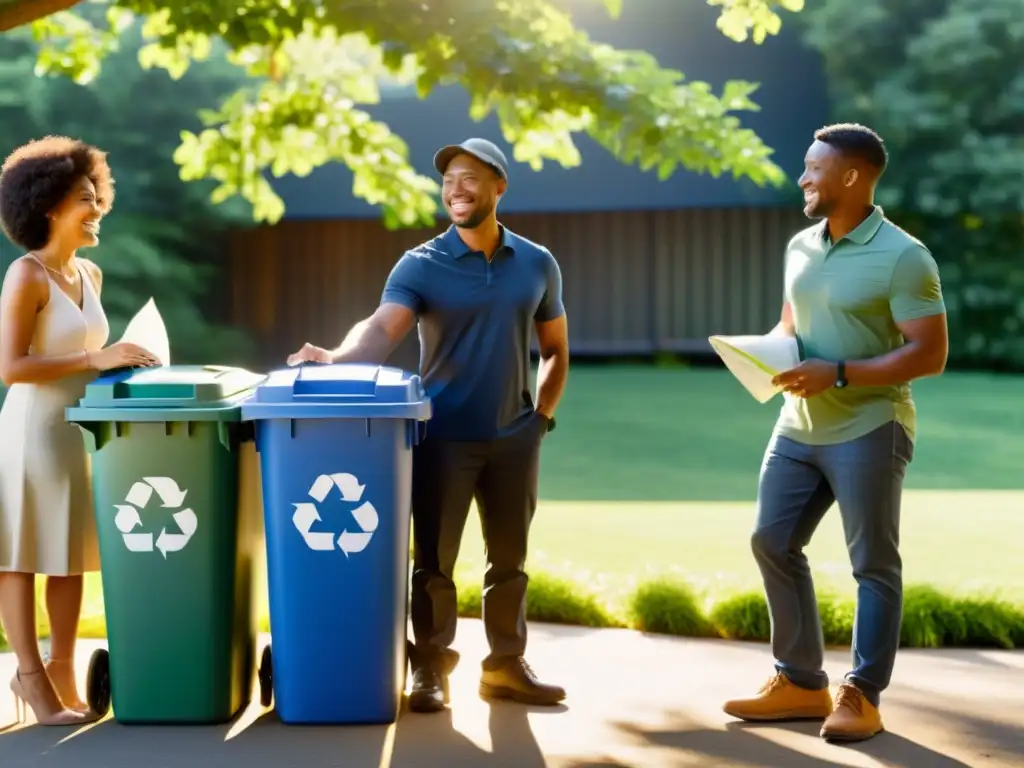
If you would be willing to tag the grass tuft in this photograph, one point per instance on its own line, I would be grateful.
(932, 619)
(743, 616)
(667, 606)
(550, 599)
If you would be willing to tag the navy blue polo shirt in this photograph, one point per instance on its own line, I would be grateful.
(475, 322)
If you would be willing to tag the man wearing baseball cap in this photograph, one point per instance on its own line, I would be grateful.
(477, 291)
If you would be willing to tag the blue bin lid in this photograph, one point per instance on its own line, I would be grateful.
(145, 394)
(341, 390)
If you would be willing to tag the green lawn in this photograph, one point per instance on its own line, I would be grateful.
(632, 433)
(608, 545)
(653, 470)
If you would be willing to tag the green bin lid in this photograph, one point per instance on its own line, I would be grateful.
(165, 388)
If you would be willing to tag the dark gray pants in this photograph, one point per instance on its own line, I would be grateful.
(797, 486)
(502, 476)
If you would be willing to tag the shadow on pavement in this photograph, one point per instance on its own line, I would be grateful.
(430, 741)
(740, 744)
(888, 748)
(108, 743)
(995, 658)
(706, 746)
(417, 740)
(989, 737)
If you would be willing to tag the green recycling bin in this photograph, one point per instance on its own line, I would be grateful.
(179, 524)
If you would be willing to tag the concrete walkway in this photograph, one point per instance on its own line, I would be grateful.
(637, 701)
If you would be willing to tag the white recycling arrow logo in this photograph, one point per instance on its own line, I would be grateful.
(349, 542)
(128, 516)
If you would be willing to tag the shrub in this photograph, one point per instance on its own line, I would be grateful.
(667, 606)
(550, 599)
(745, 617)
(559, 601)
(471, 600)
(991, 622)
(928, 618)
(933, 620)
(836, 619)
(742, 617)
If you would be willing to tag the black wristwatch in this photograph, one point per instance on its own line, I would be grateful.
(841, 374)
(550, 420)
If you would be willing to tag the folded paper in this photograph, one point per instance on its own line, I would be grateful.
(756, 360)
(147, 329)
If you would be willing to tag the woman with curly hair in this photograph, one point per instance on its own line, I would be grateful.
(53, 335)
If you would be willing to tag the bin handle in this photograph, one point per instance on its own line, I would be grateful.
(300, 394)
(302, 387)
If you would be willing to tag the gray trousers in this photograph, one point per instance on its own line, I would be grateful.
(798, 484)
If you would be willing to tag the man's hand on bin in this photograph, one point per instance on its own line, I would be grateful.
(310, 354)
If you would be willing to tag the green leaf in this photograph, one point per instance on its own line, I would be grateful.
(312, 65)
(293, 127)
(740, 19)
(72, 47)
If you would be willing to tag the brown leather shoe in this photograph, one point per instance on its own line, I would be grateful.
(779, 699)
(516, 681)
(854, 719)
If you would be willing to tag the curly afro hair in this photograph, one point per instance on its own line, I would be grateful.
(36, 177)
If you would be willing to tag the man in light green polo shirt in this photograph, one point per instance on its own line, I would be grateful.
(863, 298)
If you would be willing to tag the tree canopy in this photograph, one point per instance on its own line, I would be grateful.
(315, 65)
(166, 239)
(942, 81)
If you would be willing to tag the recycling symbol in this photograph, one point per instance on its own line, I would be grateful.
(128, 516)
(349, 542)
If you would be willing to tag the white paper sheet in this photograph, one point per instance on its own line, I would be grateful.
(147, 329)
(755, 360)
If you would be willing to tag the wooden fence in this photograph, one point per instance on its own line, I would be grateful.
(635, 282)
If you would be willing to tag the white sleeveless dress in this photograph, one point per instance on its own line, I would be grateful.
(46, 507)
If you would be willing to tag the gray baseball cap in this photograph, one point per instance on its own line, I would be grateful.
(482, 149)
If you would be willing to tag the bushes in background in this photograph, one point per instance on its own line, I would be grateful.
(931, 619)
(669, 606)
(551, 599)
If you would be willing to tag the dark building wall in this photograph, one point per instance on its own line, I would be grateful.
(635, 282)
(682, 36)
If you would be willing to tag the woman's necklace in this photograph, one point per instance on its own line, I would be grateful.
(70, 279)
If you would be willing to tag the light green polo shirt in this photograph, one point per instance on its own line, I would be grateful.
(846, 299)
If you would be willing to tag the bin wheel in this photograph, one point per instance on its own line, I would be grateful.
(97, 686)
(266, 677)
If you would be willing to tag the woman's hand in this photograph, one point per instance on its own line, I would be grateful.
(123, 354)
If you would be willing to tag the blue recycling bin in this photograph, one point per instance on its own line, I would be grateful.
(335, 446)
